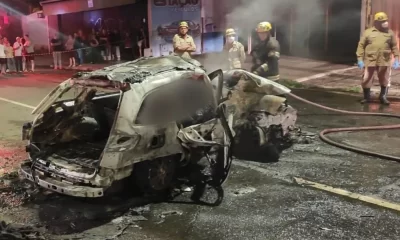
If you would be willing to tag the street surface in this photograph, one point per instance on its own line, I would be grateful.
(261, 200)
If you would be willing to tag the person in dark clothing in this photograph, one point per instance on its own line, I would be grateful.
(78, 47)
(103, 41)
(266, 53)
(115, 41)
(58, 47)
(94, 54)
(128, 47)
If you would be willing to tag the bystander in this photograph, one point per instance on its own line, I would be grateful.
(9, 51)
(94, 56)
(115, 41)
(103, 40)
(128, 47)
(57, 46)
(30, 52)
(78, 45)
(69, 46)
(3, 60)
(18, 55)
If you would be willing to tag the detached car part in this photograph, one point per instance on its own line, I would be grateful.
(263, 122)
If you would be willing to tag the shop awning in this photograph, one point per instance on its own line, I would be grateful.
(55, 7)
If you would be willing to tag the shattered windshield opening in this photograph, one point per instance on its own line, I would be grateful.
(185, 101)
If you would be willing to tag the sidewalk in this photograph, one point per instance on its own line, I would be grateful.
(349, 81)
(46, 62)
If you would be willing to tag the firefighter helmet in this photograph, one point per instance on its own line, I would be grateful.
(264, 27)
(183, 24)
(230, 32)
(381, 16)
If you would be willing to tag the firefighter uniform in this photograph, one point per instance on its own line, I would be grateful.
(234, 50)
(183, 44)
(374, 54)
(266, 54)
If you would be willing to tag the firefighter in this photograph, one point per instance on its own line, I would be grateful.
(266, 54)
(235, 50)
(183, 43)
(374, 53)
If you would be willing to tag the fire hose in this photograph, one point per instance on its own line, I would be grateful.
(323, 134)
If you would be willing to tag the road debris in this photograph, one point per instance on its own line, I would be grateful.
(11, 155)
(140, 210)
(325, 229)
(13, 192)
(128, 219)
(170, 213)
(304, 137)
(244, 191)
(120, 233)
(9, 231)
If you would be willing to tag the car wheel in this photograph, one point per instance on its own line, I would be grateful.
(248, 145)
(155, 176)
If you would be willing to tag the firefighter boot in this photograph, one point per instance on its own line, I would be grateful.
(367, 96)
(382, 96)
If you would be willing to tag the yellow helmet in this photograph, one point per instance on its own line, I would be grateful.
(381, 16)
(264, 27)
(230, 31)
(183, 24)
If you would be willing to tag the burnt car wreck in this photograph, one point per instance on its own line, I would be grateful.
(263, 122)
(141, 121)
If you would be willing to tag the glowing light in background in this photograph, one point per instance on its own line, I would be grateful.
(11, 10)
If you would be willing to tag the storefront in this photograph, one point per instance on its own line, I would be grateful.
(165, 18)
(85, 15)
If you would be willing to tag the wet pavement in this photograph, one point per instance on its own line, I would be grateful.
(261, 201)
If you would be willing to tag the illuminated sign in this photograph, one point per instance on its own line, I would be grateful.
(90, 3)
(175, 3)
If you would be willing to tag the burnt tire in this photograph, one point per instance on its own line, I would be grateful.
(248, 145)
(154, 177)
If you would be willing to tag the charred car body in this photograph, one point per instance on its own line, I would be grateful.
(263, 122)
(140, 122)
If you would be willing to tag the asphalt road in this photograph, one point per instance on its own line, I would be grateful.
(261, 201)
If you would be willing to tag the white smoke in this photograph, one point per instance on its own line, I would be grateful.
(300, 25)
(249, 13)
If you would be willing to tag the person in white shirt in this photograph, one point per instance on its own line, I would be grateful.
(69, 46)
(3, 59)
(18, 55)
(29, 48)
(10, 56)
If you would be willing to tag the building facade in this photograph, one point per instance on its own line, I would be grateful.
(327, 29)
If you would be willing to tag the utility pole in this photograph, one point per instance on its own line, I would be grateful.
(327, 18)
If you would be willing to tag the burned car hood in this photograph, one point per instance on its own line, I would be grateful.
(52, 97)
(139, 70)
(249, 82)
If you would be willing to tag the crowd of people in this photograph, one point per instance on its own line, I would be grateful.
(15, 57)
(95, 47)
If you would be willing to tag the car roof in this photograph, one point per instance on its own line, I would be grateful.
(137, 71)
